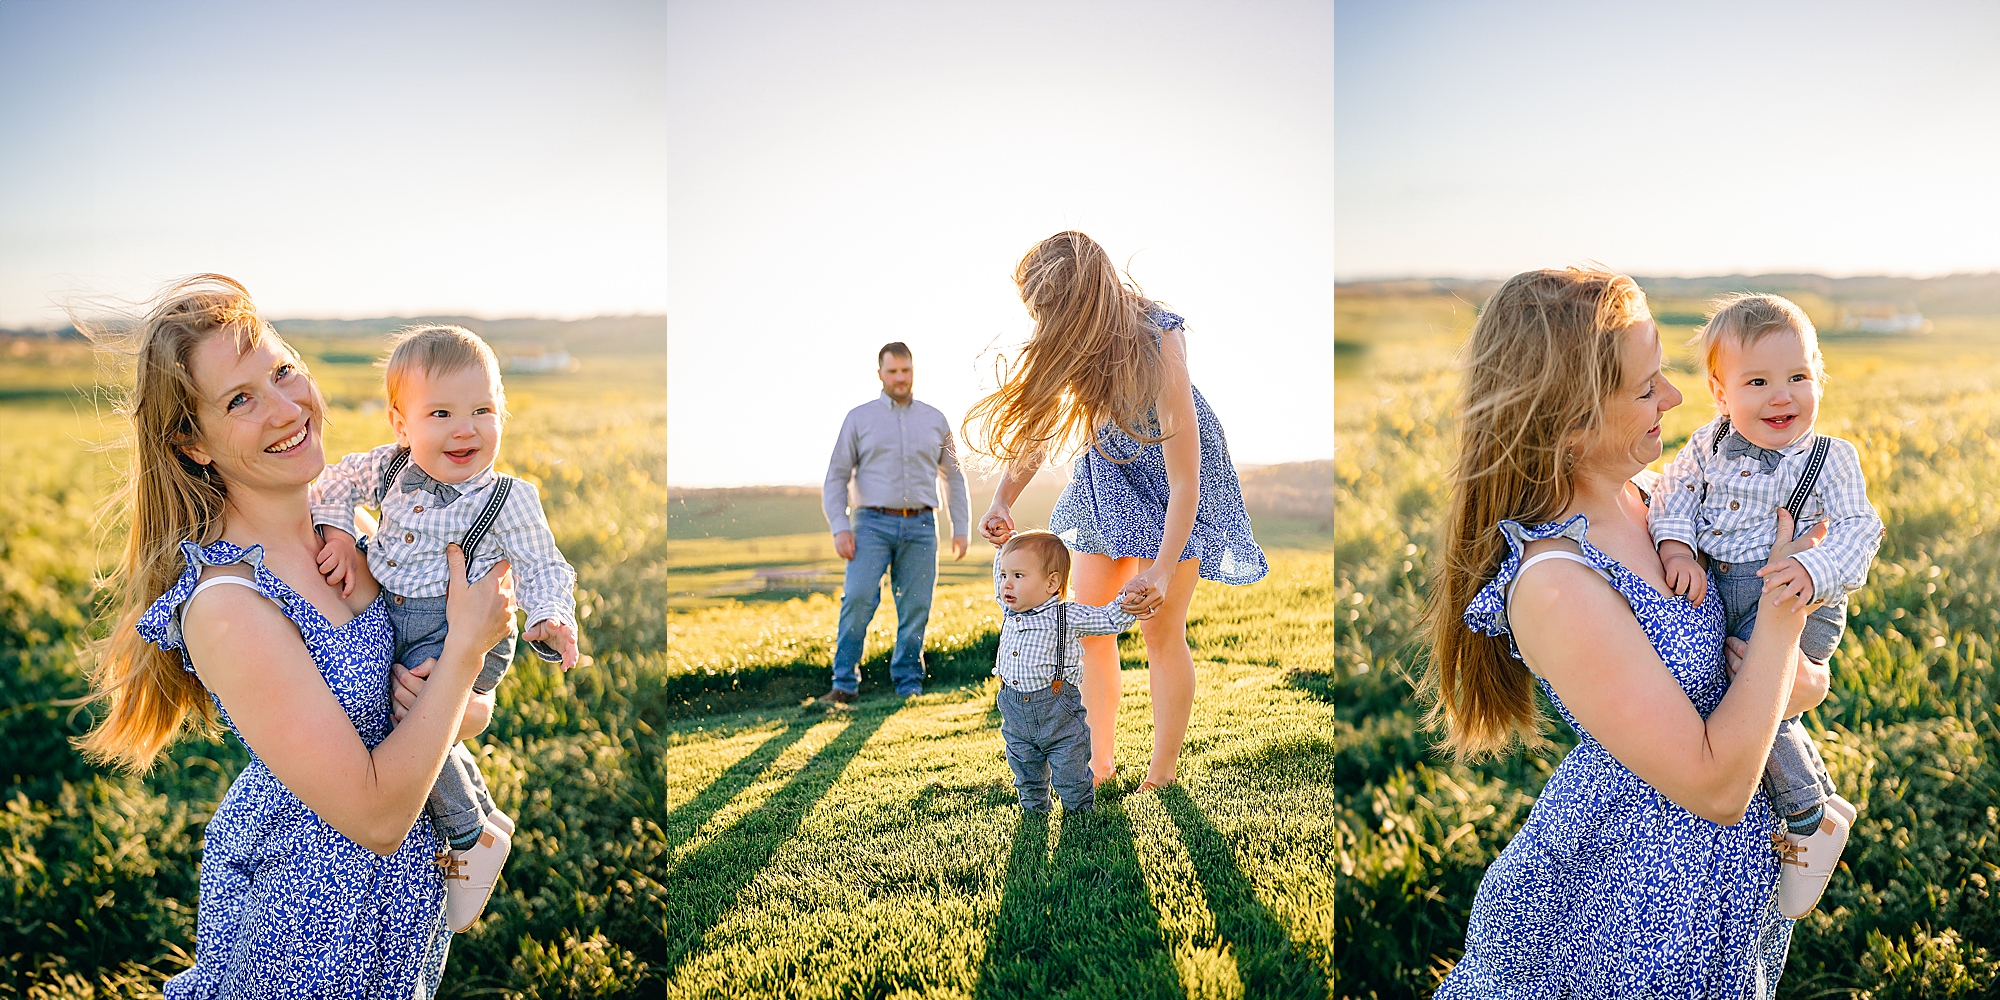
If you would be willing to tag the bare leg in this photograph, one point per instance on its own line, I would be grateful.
(1170, 671)
(1095, 579)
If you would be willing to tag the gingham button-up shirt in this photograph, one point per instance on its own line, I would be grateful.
(407, 552)
(1027, 658)
(1726, 508)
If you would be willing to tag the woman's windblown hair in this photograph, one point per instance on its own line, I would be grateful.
(165, 498)
(1545, 354)
(1092, 363)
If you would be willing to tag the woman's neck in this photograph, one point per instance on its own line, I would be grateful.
(1596, 494)
(269, 518)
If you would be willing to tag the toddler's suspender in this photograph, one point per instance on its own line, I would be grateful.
(1814, 463)
(487, 515)
(395, 469)
(1062, 644)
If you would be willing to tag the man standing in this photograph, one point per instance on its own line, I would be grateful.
(893, 449)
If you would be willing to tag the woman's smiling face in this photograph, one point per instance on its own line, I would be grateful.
(258, 412)
(1628, 439)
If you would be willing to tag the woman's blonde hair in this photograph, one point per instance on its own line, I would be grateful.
(1093, 362)
(1545, 355)
(1746, 318)
(439, 350)
(166, 498)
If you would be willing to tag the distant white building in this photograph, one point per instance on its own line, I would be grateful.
(1882, 318)
(556, 360)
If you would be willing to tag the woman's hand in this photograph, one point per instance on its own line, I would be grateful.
(998, 524)
(1809, 685)
(1787, 585)
(1143, 594)
(408, 682)
(479, 611)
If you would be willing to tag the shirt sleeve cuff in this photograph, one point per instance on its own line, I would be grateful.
(1674, 529)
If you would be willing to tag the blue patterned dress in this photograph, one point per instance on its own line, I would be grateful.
(289, 907)
(1610, 889)
(1119, 509)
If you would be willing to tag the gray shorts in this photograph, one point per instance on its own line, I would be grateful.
(1048, 742)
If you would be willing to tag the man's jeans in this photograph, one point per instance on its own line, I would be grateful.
(906, 549)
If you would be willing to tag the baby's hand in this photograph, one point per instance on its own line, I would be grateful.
(558, 634)
(1788, 576)
(1684, 573)
(337, 558)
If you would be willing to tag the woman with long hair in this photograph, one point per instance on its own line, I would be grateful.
(1647, 866)
(316, 878)
(1153, 503)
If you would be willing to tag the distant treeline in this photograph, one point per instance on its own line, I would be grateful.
(1950, 295)
(607, 334)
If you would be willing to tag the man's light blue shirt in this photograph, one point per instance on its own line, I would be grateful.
(894, 455)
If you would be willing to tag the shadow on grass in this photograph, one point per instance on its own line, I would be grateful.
(1266, 958)
(1316, 683)
(684, 821)
(1079, 925)
(705, 884)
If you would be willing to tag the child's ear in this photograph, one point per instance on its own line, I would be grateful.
(1715, 390)
(396, 424)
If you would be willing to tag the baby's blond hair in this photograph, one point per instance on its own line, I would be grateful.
(440, 350)
(1746, 318)
(1048, 549)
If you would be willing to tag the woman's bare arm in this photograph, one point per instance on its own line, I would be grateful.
(1181, 449)
(998, 524)
(250, 655)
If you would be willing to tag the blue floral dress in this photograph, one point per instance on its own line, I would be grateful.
(290, 907)
(1119, 508)
(1610, 889)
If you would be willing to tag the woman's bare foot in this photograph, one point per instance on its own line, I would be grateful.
(1153, 784)
(1100, 777)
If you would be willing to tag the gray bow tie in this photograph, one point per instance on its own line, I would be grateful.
(1736, 446)
(415, 478)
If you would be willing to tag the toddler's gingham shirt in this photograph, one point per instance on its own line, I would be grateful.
(407, 552)
(1726, 508)
(1027, 657)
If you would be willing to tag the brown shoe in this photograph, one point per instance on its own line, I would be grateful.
(833, 698)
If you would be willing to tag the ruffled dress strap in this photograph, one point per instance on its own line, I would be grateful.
(1487, 614)
(161, 624)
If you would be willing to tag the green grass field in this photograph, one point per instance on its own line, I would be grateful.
(880, 852)
(98, 869)
(1911, 729)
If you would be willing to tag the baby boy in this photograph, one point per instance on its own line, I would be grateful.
(1719, 498)
(1040, 665)
(436, 485)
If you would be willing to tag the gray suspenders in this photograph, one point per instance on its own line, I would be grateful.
(480, 526)
(1062, 644)
(1814, 463)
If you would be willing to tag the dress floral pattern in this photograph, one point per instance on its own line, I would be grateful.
(289, 907)
(1610, 889)
(1119, 508)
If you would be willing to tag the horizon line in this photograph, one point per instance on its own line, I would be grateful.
(1681, 276)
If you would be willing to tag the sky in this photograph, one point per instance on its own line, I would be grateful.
(1691, 138)
(356, 159)
(842, 175)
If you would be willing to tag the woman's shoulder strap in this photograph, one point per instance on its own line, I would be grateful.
(161, 624)
(1487, 614)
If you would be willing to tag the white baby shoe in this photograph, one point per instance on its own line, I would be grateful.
(470, 874)
(1806, 863)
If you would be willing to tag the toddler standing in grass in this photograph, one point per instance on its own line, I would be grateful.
(1040, 664)
(1718, 498)
(435, 485)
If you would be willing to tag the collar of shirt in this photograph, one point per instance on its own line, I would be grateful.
(1804, 441)
(893, 405)
(1051, 602)
(478, 482)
